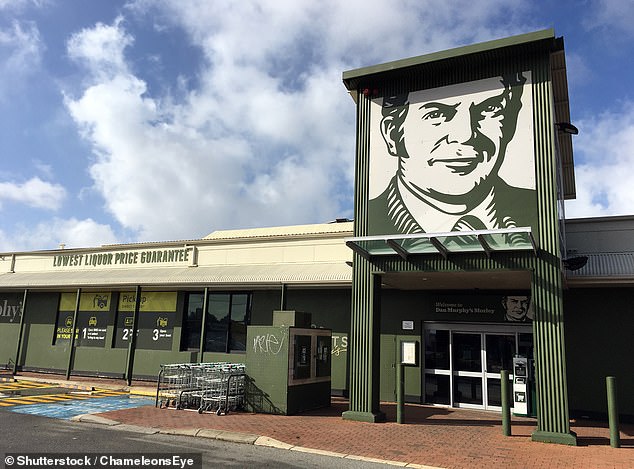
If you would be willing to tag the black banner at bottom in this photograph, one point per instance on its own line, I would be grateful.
(104, 460)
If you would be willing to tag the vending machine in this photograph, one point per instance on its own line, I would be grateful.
(521, 385)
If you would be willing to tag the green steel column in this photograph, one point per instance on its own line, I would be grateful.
(364, 346)
(132, 343)
(613, 412)
(203, 326)
(506, 405)
(553, 424)
(400, 392)
(364, 341)
(71, 352)
(20, 333)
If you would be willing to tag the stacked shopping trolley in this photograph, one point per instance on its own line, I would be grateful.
(208, 387)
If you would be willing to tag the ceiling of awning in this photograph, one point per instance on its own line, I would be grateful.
(455, 242)
(489, 280)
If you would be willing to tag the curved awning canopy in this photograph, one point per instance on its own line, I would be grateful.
(485, 241)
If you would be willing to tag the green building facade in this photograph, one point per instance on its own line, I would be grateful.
(458, 245)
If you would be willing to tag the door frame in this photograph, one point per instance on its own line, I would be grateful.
(475, 328)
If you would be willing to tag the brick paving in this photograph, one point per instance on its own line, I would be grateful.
(448, 438)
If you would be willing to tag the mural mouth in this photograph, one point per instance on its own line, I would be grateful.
(458, 163)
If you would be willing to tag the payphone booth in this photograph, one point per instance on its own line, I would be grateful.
(288, 369)
(521, 386)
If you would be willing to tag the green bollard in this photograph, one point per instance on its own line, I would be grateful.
(400, 392)
(613, 412)
(506, 405)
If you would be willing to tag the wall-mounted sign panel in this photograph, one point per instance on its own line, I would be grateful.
(511, 307)
(93, 318)
(122, 259)
(157, 317)
(454, 158)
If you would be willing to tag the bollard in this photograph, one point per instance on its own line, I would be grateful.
(400, 392)
(506, 405)
(613, 412)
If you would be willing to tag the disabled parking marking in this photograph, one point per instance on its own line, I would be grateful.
(44, 398)
(18, 385)
(71, 408)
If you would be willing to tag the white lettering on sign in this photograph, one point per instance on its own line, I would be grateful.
(339, 344)
(10, 312)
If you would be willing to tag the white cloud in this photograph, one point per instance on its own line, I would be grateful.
(615, 17)
(20, 54)
(101, 48)
(268, 136)
(33, 193)
(51, 233)
(604, 156)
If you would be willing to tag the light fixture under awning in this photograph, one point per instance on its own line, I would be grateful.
(486, 241)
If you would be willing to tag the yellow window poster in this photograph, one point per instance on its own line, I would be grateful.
(155, 301)
(99, 301)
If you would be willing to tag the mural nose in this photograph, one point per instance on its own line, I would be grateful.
(459, 128)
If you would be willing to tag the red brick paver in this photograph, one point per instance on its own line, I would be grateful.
(450, 438)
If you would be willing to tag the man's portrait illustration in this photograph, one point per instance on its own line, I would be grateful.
(444, 151)
(517, 308)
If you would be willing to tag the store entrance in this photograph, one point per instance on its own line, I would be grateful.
(463, 362)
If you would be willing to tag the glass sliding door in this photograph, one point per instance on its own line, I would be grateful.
(463, 362)
(499, 351)
(437, 370)
(467, 369)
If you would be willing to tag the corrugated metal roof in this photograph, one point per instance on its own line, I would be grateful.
(609, 266)
(294, 230)
(243, 275)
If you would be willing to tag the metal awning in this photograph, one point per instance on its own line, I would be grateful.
(486, 241)
(318, 273)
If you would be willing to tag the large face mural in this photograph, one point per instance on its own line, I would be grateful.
(454, 158)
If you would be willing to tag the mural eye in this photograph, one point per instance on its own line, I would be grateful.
(438, 116)
(433, 115)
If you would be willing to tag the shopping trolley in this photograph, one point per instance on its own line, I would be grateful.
(223, 389)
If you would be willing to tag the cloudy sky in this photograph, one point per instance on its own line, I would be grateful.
(153, 120)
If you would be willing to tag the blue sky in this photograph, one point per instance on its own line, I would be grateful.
(125, 121)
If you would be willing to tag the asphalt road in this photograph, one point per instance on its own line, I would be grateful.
(22, 433)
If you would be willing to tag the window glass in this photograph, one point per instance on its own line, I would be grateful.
(436, 349)
(192, 321)
(239, 321)
(228, 315)
(437, 389)
(217, 325)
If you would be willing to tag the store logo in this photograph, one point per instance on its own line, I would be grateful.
(100, 301)
(10, 312)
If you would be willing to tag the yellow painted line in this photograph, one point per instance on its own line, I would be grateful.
(17, 401)
(49, 398)
(16, 386)
(4, 404)
(22, 385)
